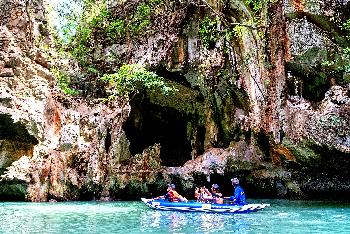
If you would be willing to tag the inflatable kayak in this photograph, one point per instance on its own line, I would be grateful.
(193, 206)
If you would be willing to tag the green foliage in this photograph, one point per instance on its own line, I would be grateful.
(233, 165)
(212, 30)
(141, 18)
(93, 17)
(95, 22)
(71, 191)
(209, 31)
(258, 14)
(116, 29)
(256, 5)
(115, 187)
(346, 26)
(239, 30)
(338, 65)
(64, 17)
(330, 121)
(92, 69)
(63, 81)
(135, 189)
(131, 78)
(154, 3)
(315, 88)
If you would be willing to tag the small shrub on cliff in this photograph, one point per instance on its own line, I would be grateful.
(95, 24)
(141, 18)
(258, 5)
(338, 63)
(209, 32)
(116, 28)
(132, 78)
(63, 82)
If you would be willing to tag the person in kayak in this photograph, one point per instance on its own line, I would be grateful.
(217, 196)
(172, 195)
(202, 194)
(238, 197)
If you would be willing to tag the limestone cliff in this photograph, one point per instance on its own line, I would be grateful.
(261, 95)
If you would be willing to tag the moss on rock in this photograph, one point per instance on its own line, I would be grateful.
(13, 190)
(185, 100)
(302, 151)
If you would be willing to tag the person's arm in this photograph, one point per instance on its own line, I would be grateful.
(159, 197)
(234, 197)
(196, 193)
(207, 192)
(182, 199)
(176, 194)
(179, 197)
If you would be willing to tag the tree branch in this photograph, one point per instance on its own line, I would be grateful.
(225, 21)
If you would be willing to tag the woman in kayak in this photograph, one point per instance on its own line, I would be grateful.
(202, 194)
(172, 195)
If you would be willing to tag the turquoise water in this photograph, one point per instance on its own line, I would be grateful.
(134, 217)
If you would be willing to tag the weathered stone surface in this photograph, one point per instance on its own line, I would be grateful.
(6, 72)
(240, 117)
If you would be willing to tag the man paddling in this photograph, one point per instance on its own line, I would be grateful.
(238, 197)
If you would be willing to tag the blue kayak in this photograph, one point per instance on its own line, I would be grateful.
(193, 206)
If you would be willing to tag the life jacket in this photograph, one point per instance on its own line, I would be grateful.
(172, 196)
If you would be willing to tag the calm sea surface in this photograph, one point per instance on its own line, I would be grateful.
(134, 217)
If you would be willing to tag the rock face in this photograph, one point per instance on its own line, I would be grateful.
(252, 103)
(61, 148)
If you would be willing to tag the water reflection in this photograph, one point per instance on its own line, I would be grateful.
(176, 222)
(195, 222)
(135, 217)
(151, 219)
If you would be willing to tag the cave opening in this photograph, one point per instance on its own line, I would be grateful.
(14, 131)
(175, 76)
(15, 141)
(149, 123)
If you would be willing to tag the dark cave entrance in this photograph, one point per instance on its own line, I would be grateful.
(149, 123)
(15, 141)
(14, 131)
